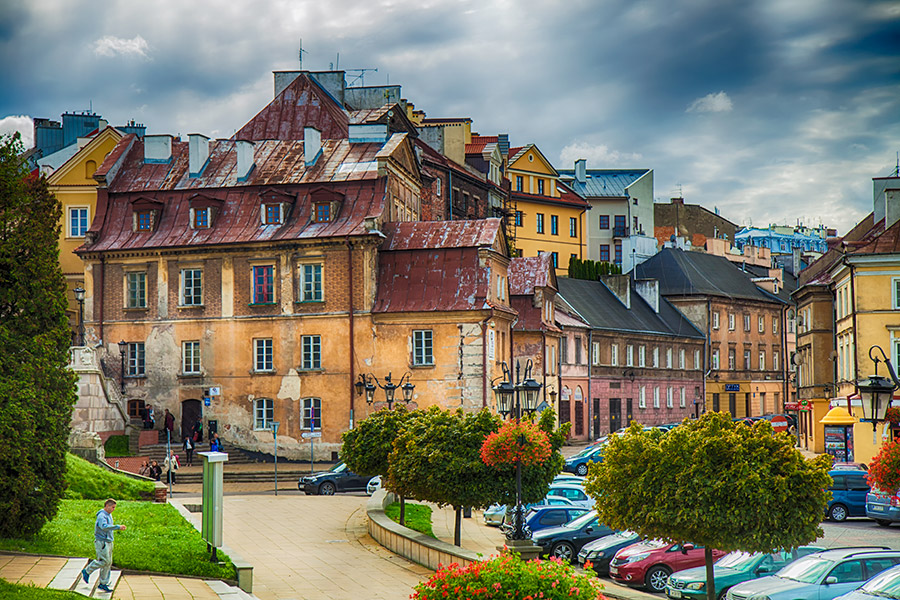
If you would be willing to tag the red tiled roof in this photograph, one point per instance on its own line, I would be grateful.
(486, 139)
(301, 104)
(434, 235)
(527, 273)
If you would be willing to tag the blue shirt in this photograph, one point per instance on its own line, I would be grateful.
(103, 530)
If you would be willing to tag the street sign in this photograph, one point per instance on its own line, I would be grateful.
(275, 425)
(206, 401)
(732, 387)
(311, 434)
(215, 391)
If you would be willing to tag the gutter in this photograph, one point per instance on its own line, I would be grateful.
(855, 348)
(351, 324)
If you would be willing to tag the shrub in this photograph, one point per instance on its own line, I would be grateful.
(509, 577)
(117, 445)
(90, 482)
(884, 470)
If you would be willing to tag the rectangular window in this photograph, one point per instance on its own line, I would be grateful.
(595, 353)
(614, 355)
(540, 183)
(746, 322)
(619, 229)
(682, 402)
(656, 396)
(264, 284)
(762, 360)
(273, 214)
(618, 260)
(323, 212)
(518, 218)
(191, 287)
(775, 360)
(264, 411)
(540, 223)
(656, 357)
(312, 414)
(697, 364)
(642, 399)
(78, 221)
(554, 225)
(604, 221)
(573, 227)
(144, 221)
(670, 393)
(423, 348)
(519, 183)
(135, 357)
(555, 256)
(668, 358)
(311, 283)
(732, 363)
(137, 290)
(190, 357)
(762, 324)
(491, 340)
(642, 356)
(564, 351)
(730, 321)
(896, 291)
(681, 359)
(312, 352)
(747, 360)
(604, 252)
(775, 325)
(715, 360)
(715, 320)
(201, 218)
(262, 350)
(578, 350)
(629, 355)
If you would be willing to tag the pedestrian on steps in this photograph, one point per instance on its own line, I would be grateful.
(188, 445)
(103, 544)
(170, 424)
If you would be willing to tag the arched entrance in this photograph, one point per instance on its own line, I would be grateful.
(191, 410)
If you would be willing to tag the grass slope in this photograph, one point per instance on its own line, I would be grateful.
(90, 482)
(11, 591)
(418, 516)
(158, 539)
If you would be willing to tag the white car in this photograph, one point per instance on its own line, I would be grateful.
(572, 492)
(374, 485)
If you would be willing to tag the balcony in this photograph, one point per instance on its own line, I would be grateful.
(620, 231)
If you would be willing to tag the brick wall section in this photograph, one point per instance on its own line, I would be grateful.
(114, 291)
(689, 219)
(211, 284)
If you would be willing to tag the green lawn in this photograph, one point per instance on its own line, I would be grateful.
(418, 516)
(158, 539)
(11, 591)
(117, 445)
(88, 481)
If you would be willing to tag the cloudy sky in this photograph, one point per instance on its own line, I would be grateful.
(771, 110)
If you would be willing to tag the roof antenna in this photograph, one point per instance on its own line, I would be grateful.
(896, 172)
(300, 54)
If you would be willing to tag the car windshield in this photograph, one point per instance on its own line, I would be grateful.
(655, 544)
(885, 584)
(339, 468)
(625, 533)
(737, 560)
(583, 452)
(806, 570)
(582, 520)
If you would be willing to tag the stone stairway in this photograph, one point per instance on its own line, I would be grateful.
(61, 573)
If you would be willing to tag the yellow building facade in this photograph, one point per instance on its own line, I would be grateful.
(549, 217)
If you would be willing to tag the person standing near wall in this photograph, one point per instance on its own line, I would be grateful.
(103, 545)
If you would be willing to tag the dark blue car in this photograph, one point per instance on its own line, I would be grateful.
(578, 463)
(848, 494)
(542, 517)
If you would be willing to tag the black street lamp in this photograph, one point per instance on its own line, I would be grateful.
(79, 296)
(876, 392)
(526, 393)
(122, 345)
(365, 384)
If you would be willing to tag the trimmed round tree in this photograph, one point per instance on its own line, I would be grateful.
(37, 390)
(712, 482)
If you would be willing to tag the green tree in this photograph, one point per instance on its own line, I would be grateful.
(714, 483)
(37, 391)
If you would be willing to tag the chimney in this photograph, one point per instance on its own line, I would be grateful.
(368, 133)
(648, 289)
(677, 200)
(795, 261)
(503, 143)
(581, 170)
(245, 158)
(891, 205)
(198, 153)
(312, 145)
(284, 79)
(157, 148)
(333, 82)
(620, 285)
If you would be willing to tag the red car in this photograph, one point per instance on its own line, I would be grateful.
(649, 564)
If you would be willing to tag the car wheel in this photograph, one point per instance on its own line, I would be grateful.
(657, 577)
(838, 512)
(883, 522)
(581, 469)
(326, 489)
(721, 595)
(563, 550)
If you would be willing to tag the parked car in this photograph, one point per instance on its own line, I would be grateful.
(497, 514)
(848, 494)
(573, 492)
(374, 485)
(820, 576)
(850, 465)
(578, 463)
(884, 508)
(338, 479)
(567, 540)
(601, 551)
(730, 570)
(648, 564)
(884, 585)
(568, 478)
(539, 518)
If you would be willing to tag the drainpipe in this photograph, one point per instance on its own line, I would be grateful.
(707, 349)
(99, 297)
(352, 353)
(590, 398)
(484, 359)
(855, 351)
(784, 357)
(450, 194)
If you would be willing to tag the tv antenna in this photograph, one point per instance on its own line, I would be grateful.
(361, 78)
(896, 172)
(300, 54)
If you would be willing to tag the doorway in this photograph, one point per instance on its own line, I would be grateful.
(615, 414)
(191, 411)
(596, 418)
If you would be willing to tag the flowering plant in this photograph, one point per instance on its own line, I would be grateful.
(509, 577)
(892, 414)
(523, 440)
(884, 470)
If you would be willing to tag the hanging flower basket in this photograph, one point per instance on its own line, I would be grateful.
(524, 441)
(884, 470)
(893, 415)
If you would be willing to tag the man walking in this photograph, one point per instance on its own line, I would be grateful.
(103, 544)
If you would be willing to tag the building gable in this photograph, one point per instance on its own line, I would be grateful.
(75, 170)
(529, 159)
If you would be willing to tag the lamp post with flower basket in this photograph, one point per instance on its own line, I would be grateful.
(525, 390)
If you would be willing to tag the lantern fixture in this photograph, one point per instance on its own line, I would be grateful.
(389, 387)
(877, 391)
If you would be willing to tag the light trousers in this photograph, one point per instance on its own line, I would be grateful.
(102, 562)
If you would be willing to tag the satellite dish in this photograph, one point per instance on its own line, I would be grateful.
(797, 359)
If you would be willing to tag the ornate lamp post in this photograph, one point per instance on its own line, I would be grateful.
(876, 392)
(365, 384)
(122, 345)
(526, 393)
(79, 296)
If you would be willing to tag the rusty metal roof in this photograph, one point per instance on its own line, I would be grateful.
(303, 103)
(435, 235)
(529, 272)
(369, 115)
(566, 320)
(530, 317)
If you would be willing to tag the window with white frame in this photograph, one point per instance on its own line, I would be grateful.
(595, 353)
(681, 359)
(775, 356)
(135, 356)
(491, 344)
(656, 396)
(715, 360)
(746, 322)
(730, 321)
(136, 290)
(190, 357)
(775, 325)
(191, 287)
(311, 283)
(670, 397)
(264, 413)
(655, 357)
(423, 348)
(697, 364)
(747, 360)
(614, 355)
(262, 355)
(792, 322)
(762, 324)
(715, 320)
(895, 290)
(642, 356)
(629, 355)
(78, 221)
(311, 346)
(312, 414)
(668, 358)
(682, 402)
(731, 360)
(642, 399)
(762, 360)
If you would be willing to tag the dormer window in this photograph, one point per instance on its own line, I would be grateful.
(201, 218)
(323, 212)
(274, 206)
(325, 205)
(145, 220)
(204, 210)
(145, 213)
(272, 214)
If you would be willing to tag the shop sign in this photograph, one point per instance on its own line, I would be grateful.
(732, 387)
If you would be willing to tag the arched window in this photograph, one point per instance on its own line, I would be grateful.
(90, 167)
